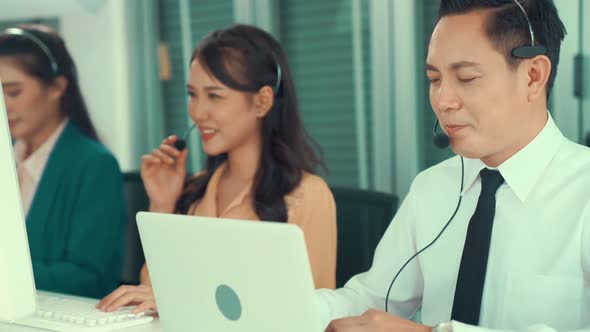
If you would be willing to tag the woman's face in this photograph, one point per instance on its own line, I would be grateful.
(227, 119)
(32, 107)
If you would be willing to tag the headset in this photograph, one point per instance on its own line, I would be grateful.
(442, 141)
(279, 78)
(40, 44)
(532, 50)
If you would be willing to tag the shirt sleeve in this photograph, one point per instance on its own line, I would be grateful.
(91, 262)
(315, 213)
(368, 290)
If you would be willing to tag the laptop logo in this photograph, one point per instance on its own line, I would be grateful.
(228, 302)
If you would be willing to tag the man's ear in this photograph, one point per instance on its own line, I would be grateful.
(538, 71)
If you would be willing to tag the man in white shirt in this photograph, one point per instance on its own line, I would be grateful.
(516, 255)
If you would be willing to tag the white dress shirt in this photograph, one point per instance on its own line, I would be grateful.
(31, 169)
(538, 272)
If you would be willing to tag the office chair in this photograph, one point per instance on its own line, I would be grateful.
(362, 218)
(137, 200)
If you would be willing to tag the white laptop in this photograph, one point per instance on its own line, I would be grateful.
(226, 275)
(20, 303)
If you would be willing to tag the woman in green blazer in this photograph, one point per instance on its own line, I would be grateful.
(71, 185)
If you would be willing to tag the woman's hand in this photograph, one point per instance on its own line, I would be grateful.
(163, 173)
(141, 296)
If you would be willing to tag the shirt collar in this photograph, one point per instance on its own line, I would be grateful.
(472, 169)
(524, 169)
(35, 163)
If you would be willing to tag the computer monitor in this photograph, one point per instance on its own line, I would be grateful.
(17, 285)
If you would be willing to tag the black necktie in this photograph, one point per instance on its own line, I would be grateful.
(472, 271)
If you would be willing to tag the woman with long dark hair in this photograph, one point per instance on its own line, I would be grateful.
(70, 184)
(260, 162)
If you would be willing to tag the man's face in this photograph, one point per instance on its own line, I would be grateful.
(480, 101)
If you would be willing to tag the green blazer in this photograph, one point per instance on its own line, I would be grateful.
(77, 218)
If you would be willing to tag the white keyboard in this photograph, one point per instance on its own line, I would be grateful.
(64, 313)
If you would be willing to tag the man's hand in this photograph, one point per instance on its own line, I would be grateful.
(376, 321)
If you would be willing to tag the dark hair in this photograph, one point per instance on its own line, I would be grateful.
(246, 58)
(507, 26)
(35, 62)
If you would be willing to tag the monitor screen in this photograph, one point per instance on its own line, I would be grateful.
(17, 286)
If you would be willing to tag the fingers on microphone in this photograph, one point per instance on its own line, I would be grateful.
(165, 158)
(170, 150)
